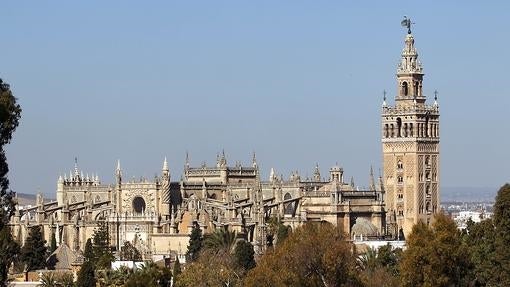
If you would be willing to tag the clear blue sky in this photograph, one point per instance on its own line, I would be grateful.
(298, 82)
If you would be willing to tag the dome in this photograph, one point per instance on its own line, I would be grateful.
(364, 227)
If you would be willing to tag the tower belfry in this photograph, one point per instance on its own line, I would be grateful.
(410, 143)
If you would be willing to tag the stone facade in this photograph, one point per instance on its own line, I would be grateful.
(410, 145)
(157, 215)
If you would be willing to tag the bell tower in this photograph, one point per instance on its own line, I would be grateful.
(410, 144)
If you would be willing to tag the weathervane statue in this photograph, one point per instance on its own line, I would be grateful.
(407, 23)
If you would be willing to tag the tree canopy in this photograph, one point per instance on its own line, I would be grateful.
(315, 254)
(10, 114)
(195, 243)
(34, 252)
(435, 256)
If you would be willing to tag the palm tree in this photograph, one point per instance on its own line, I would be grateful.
(221, 240)
(368, 261)
(49, 279)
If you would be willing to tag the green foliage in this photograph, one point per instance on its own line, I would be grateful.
(220, 241)
(243, 254)
(114, 278)
(33, 253)
(129, 252)
(89, 251)
(86, 276)
(9, 248)
(49, 279)
(150, 276)
(502, 236)
(101, 250)
(435, 256)
(315, 254)
(10, 113)
(177, 268)
(53, 244)
(210, 269)
(195, 243)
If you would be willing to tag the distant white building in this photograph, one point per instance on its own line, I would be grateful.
(476, 216)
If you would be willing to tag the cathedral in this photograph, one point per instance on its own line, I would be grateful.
(156, 215)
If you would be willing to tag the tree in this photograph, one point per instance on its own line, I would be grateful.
(502, 236)
(315, 254)
(210, 269)
(150, 275)
(53, 244)
(220, 241)
(10, 113)
(86, 276)
(129, 252)
(49, 279)
(177, 268)
(243, 254)
(9, 250)
(102, 253)
(435, 256)
(33, 253)
(379, 267)
(277, 232)
(195, 243)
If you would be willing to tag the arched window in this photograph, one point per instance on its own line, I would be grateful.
(288, 208)
(405, 89)
(427, 207)
(426, 126)
(400, 179)
(427, 190)
(406, 131)
(416, 88)
(399, 127)
(138, 205)
(411, 130)
(386, 132)
(392, 128)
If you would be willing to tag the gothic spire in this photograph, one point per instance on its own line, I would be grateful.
(372, 180)
(165, 165)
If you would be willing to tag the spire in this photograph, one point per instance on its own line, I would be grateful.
(272, 175)
(372, 180)
(165, 165)
(317, 173)
(76, 172)
(223, 159)
(435, 99)
(118, 171)
(254, 160)
(384, 104)
(186, 164)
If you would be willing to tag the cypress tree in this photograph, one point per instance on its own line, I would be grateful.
(243, 254)
(195, 243)
(101, 247)
(177, 268)
(53, 244)
(33, 253)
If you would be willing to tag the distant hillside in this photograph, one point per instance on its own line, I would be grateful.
(468, 194)
(29, 199)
